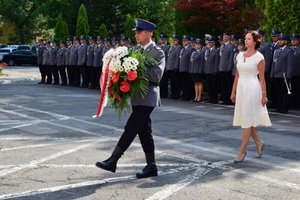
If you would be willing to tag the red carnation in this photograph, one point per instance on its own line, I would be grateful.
(131, 75)
(115, 77)
(124, 87)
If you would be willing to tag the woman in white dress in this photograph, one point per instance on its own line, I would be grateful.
(249, 95)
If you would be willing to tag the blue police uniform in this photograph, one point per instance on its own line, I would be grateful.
(164, 81)
(282, 64)
(139, 121)
(296, 72)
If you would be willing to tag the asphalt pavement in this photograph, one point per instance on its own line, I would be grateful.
(49, 144)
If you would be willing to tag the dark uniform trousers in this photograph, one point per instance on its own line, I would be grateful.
(163, 85)
(186, 85)
(48, 73)
(212, 88)
(63, 75)
(84, 75)
(296, 92)
(226, 84)
(70, 71)
(281, 95)
(54, 72)
(173, 75)
(94, 74)
(76, 72)
(139, 123)
(43, 73)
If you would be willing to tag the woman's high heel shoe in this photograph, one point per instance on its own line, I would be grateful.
(241, 160)
(261, 149)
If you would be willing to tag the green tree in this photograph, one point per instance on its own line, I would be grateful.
(103, 31)
(61, 29)
(282, 15)
(82, 26)
(128, 26)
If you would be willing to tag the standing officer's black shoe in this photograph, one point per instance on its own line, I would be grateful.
(150, 170)
(111, 163)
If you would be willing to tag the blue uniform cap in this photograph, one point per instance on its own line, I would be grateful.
(211, 39)
(261, 32)
(70, 40)
(75, 39)
(163, 36)
(241, 41)
(53, 41)
(207, 36)
(107, 40)
(99, 38)
(275, 33)
(226, 33)
(124, 38)
(220, 38)
(141, 24)
(175, 37)
(91, 38)
(82, 38)
(295, 36)
(198, 41)
(185, 37)
(283, 37)
(233, 37)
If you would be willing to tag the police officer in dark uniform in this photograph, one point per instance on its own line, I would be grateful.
(123, 41)
(139, 122)
(225, 68)
(90, 62)
(114, 42)
(81, 63)
(184, 63)
(295, 38)
(107, 46)
(282, 66)
(52, 61)
(40, 51)
(97, 63)
(46, 66)
(196, 69)
(211, 66)
(172, 67)
(164, 81)
(60, 62)
(73, 60)
(67, 57)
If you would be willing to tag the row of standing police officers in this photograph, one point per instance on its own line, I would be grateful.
(80, 64)
(217, 67)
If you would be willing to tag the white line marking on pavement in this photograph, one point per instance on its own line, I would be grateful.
(84, 184)
(171, 189)
(56, 155)
(25, 147)
(166, 140)
(21, 126)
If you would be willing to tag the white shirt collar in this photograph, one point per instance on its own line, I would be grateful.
(147, 45)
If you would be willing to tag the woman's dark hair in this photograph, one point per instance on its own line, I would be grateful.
(256, 38)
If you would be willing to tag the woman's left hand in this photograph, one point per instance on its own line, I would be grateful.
(264, 100)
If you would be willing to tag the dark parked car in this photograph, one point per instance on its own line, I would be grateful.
(20, 57)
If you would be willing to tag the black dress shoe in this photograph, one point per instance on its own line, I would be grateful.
(148, 171)
(111, 163)
(41, 82)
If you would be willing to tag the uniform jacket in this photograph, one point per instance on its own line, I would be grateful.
(154, 74)
(184, 58)
(173, 58)
(211, 61)
(266, 50)
(82, 54)
(52, 55)
(73, 55)
(67, 55)
(98, 56)
(105, 49)
(165, 47)
(226, 57)
(90, 55)
(197, 62)
(40, 52)
(61, 55)
(296, 61)
(282, 63)
(46, 56)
